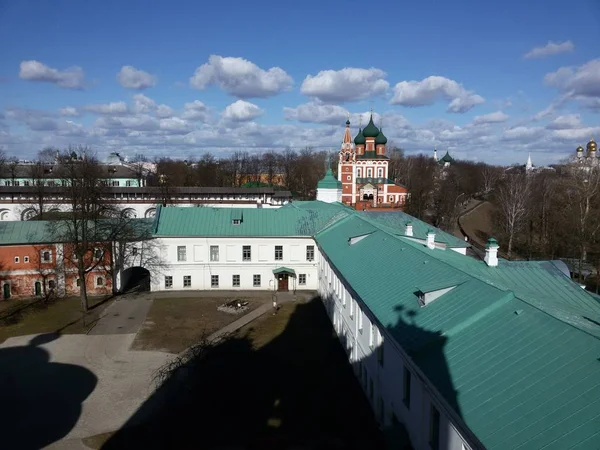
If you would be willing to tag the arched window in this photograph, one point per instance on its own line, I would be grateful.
(99, 281)
(359, 173)
(51, 284)
(369, 172)
(380, 172)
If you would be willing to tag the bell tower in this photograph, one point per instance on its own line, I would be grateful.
(346, 166)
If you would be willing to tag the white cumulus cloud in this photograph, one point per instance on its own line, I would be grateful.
(165, 111)
(195, 110)
(242, 111)
(113, 108)
(432, 89)
(71, 78)
(69, 111)
(345, 85)
(568, 121)
(131, 78)
(495, 117)
(551, 48)
(578, 83)
(315, 112)
(240, 77)
(143, 104)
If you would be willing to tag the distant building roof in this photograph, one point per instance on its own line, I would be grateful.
(329, 181)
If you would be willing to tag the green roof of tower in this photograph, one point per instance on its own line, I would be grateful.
(371, 130)
(447, 158)
(329, 181)
(381, 139)
(360, 138)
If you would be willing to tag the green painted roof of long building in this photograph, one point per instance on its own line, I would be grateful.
(259, 222)
(513, 349)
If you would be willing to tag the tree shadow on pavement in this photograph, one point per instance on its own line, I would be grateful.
(41, 400)
(296, 391)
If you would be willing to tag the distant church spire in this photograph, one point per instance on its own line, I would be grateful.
(529, 164)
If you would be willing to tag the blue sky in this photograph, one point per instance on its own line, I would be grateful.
(488, 81)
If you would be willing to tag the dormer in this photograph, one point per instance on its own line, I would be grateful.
(237, 217)
(428, 293)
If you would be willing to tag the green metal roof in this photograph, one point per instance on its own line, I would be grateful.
(284, 270)
(375, 181)
(45, 231)
(381, 139)
(513, 349)
(370, 130)
(329, 181)
(447, 158)
(286, 221)
(360, 138)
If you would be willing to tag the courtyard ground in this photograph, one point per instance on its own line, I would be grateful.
(175, 322)
(478, 223)
(282, 381)
(20, 317)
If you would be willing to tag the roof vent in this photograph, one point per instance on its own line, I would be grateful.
(491, 252)
(518, 312)
(430, 239)
(354, 240)
(427, 295)
(409, 229)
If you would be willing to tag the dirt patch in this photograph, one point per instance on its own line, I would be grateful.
(63, 315)
(478, 223)
(173, 324)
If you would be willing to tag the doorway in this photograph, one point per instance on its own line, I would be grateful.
(6, 291)
(38, 288)
(282, 282)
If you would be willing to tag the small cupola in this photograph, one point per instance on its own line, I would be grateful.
(360, 138)
(380, 139)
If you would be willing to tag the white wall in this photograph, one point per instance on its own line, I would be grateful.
(329, 195)
(353, 323)
(199, 266)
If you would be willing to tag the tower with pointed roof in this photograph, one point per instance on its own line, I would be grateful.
(363, 169)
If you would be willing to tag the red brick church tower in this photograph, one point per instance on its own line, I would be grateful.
(363, 170)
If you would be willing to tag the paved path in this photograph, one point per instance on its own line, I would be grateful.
(74, 386)
(123, 316)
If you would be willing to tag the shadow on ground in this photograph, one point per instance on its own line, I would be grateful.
(41, 400)
(296, 391)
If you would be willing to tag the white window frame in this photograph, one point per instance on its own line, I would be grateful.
(310, 250)
(168, 281)
(25, 259)
(43, 252)
(188, 280)
(278, 248)
(181, 257)
(301, 277)
(233, 280)
(249, 249)
(214, 278)
(214, 256)
(17, 260)
(101, 284)
(254, 278)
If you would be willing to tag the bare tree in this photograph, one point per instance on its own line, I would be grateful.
(513, 200)
(490, 175)
(81, 232)
(139, 165)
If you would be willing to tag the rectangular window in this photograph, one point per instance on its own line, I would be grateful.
(358, 173)
(115, 183)
(26, 259)
(134, 251)
(181, 253)
(214, 281)
(434, 428)
(128, 183)
(17, 260)
(369, 172)
(99, 281)
(187, 281)
(168, 282)
(256, 280)
(310, 252)
(214, 253)
(46, 256)
(235, 281)
(406, 388)
(246, 253)
(97, 253)
(236, 221)
(17, 183)
(25, 183)
(278, 252)
(302, 279)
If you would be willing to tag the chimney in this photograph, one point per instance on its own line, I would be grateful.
(408, 231)
(430, 239)
(491, 252)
